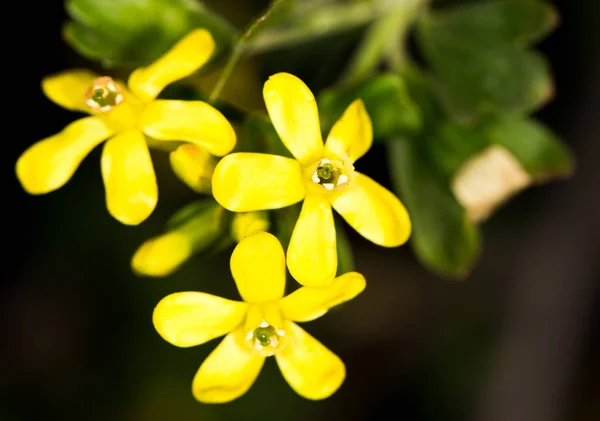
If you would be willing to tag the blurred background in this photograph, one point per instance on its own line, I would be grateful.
(517, 340)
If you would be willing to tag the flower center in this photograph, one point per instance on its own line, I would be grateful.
(331, 174)
(266, 340)
(103, 95)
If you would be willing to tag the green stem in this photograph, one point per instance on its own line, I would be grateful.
(384, 38)
(315, 22)
(237, 52)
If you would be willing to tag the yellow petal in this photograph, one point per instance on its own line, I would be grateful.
(68, 88)
(161, 255)
(312, 254)
(183, 59)
(374, 212)
(49, 164)
(293, 111)
(244, 182)
(312, 370)
(258, 267)
(191, 318)
(228, 372)
(189, 121)
(245, 224)
(352, 135)
(129, 180)
(194, 166)
(307, 303)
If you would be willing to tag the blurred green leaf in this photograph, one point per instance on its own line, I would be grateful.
(189, 211)
(520, 22)
(259, 135)
(220, 244)
(481, 66)
(419, 89)
(386, 99)
(540, 152)
(443, 239)
(284, 222)
(451, 145)
(344, 250)
(135, 33)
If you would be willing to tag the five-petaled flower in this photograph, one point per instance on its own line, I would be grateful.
(263, 325)
(132, 118)
(322, 175)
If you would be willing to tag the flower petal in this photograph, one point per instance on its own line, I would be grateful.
(258, 267)
(192, 318)
(194, 166)
(306, 304)
(129, 180)
(183, 59)
(191, 121)
(49, 164)
(312, 254)
(68, 88)
(352, 134)
(228, 372)
(374, 212)
(311, 369)
(163, 254)
(244, 182)
(293, 111)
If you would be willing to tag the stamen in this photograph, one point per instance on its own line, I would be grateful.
(262, 336)
(104, 95)
(330, 174)
(326, 171)
(266, 339)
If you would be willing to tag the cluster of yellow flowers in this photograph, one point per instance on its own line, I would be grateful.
(322, 175)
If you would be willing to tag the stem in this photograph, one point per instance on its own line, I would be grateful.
(237, 52)
(325, 20)
(384, 38)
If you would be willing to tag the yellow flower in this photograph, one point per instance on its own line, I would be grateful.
(131, 117)
(261, 326)
(322, 175)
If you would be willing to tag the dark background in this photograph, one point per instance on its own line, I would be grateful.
(518, 340)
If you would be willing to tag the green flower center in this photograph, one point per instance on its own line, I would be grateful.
(104, 95)
(263, 335)
(330, 174)
(325, 172)
(266, 340)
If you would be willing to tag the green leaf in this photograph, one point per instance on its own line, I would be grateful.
(285, 221)
(259, 135)
(188, 212)
(220, 244)
(135, 33)
(386, 98)
(540, 152)
(481, 70)
(443, 239)
(419, 89)
(450, 145)
(344, 250)
(520, 22)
